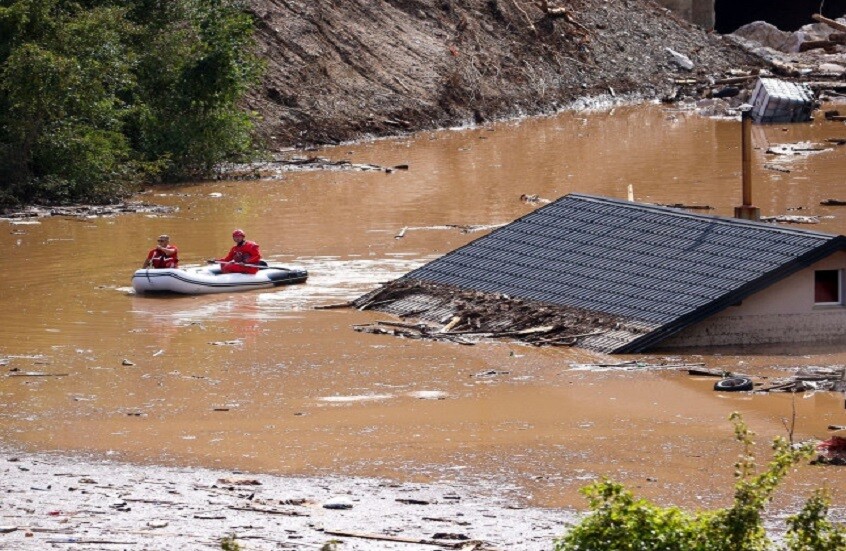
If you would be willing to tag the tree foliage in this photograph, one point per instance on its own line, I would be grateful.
(620, 522)
(99, 95)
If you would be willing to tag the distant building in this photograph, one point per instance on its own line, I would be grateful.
(674, 279)
(699, 12)
(725, 16)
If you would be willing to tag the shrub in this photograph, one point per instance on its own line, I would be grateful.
(618, 521)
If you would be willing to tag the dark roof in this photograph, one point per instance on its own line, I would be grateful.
(659, 267)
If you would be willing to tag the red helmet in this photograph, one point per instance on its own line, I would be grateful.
(238, 233)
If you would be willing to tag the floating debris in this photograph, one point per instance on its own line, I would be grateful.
(87, 211)
(273, 170)
(791, 219)
(811, 379)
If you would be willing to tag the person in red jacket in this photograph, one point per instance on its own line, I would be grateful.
(242, 257)
(164, 255)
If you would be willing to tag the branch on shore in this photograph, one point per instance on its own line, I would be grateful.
(830, 22)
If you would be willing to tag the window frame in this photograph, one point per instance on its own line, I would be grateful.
(839, 289)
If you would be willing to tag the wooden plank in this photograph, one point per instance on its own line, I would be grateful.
(830, 22)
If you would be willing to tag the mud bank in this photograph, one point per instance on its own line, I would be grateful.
(347, 70)
(53, 501)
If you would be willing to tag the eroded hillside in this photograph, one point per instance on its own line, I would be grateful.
(344, 70)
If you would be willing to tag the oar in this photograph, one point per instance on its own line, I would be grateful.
(259, 266)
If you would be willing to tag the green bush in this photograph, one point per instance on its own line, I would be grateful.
(97, 96)
(618, 521)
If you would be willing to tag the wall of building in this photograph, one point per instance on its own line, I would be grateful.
(787, 15)
(783, 313)
(727, 15)
(699, 12)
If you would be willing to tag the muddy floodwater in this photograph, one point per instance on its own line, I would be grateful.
(263, 382)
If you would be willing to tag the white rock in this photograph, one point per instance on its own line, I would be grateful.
(680, 59)
(831, 69)
(771, 36)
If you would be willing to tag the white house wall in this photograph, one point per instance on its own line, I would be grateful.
(782, 313)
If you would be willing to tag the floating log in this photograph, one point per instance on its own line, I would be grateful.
(706, 372)
(348, 304)
(833, 203)
(683, 206)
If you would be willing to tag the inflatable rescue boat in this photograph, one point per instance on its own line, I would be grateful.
(203, 280)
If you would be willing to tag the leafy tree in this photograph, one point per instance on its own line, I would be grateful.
(97, 96)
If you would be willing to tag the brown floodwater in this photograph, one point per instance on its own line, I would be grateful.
(264, 382)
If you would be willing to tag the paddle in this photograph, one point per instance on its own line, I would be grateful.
(262, 265)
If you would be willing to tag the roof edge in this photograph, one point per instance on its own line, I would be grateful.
(837, 243)
(683, 214)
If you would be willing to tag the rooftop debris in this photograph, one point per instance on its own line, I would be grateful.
(466, 317)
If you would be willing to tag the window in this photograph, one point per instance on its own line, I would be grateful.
(827, 287)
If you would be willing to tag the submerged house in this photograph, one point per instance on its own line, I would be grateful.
(671, 279)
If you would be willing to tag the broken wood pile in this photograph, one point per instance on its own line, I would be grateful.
(548, 335)
(466, 317)
(630, 365)
(834, 39)
(809, 379)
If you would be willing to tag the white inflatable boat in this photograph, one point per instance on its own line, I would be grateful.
(203, 280)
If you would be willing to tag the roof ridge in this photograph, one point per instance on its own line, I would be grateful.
(681, 214)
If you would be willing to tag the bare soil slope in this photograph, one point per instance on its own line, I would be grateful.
(344, 70)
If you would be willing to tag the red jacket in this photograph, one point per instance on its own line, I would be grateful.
(164, 259)
(246, 252)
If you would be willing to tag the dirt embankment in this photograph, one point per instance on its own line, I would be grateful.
(344, 70)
